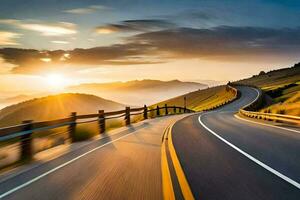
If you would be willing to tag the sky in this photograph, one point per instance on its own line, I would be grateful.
(50, 44)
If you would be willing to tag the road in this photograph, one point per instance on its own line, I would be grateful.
(224, 157)
(126, 165)
(211, 155)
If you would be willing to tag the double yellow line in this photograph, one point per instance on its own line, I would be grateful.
(168, 191)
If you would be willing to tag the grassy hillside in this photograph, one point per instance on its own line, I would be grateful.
(201, 99)
(138, 92)
(54, 107)
(283, 86)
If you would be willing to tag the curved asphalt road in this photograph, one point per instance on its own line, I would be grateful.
(217, 170)
(125, 165)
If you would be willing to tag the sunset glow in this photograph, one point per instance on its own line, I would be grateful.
(150, 99)
(56, 81)
(102, 42)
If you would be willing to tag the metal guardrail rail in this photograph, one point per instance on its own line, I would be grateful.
(23, 132)
(272, 117)
(250, 110)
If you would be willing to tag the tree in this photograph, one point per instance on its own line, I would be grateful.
(262, 73)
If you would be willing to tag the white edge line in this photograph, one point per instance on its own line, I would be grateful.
(287, 179)
(265, 124)
(261, 122)
(58, 167)
(257, 96)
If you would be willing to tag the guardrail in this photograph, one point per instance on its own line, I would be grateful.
(237, 95)
(250, 110)
(272, 117)
(24, 131)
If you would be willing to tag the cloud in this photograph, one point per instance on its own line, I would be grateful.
(61, 28)
(223, 41)
(219, 43)
(60, 42)
(86, 10)
(204, 14)
(10, 21)
(8, 38)
(46, 29)
(134, 26)
(31, 61)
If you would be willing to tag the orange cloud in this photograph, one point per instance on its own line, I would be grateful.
(249, 44)
(46, 29)
(60, 42)
(8, 38)
(106, 30)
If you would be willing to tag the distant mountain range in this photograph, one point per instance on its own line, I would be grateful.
(14, 99)
(138, 92)
(55, 107)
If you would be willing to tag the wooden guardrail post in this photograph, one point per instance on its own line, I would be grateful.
(72, 126)
(157, 111)
(174, 109)
(179, 109)
(101, 121)
(145, 112)
(26, 142)
(127, 115)
(166, 109)
(184, 109)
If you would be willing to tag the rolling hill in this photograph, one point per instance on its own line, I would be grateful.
(54, 107)
(283, 88)
(138, 92)
(14, 99)
(201, 99)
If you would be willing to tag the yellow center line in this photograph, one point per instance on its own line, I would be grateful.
(185, 188)
(168, 191)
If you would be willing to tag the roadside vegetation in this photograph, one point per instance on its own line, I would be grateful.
(282, 87)
(201, 99)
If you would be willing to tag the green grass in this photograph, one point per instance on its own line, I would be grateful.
(290, 106)
(83, 134)
(283, 86)
(201, 99)
(274, 79)
(288, 102)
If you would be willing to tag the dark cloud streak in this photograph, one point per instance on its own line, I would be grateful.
(219, 43)
(136, 26)
(223, 41)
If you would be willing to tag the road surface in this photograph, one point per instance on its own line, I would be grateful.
(211, 155)
(224, 157)
(126, 165)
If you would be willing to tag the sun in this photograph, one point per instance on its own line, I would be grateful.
(56, 81)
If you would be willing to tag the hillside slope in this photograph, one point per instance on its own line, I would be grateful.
(275, 78)
(283, 86)
(201, 99)
(138, 92)
(54, 107)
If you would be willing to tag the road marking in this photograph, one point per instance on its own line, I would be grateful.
(257, 96)
(265, 124)
(184, 185)
(168, 191)
(261, 122)
(58, 167)
(287, 179)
